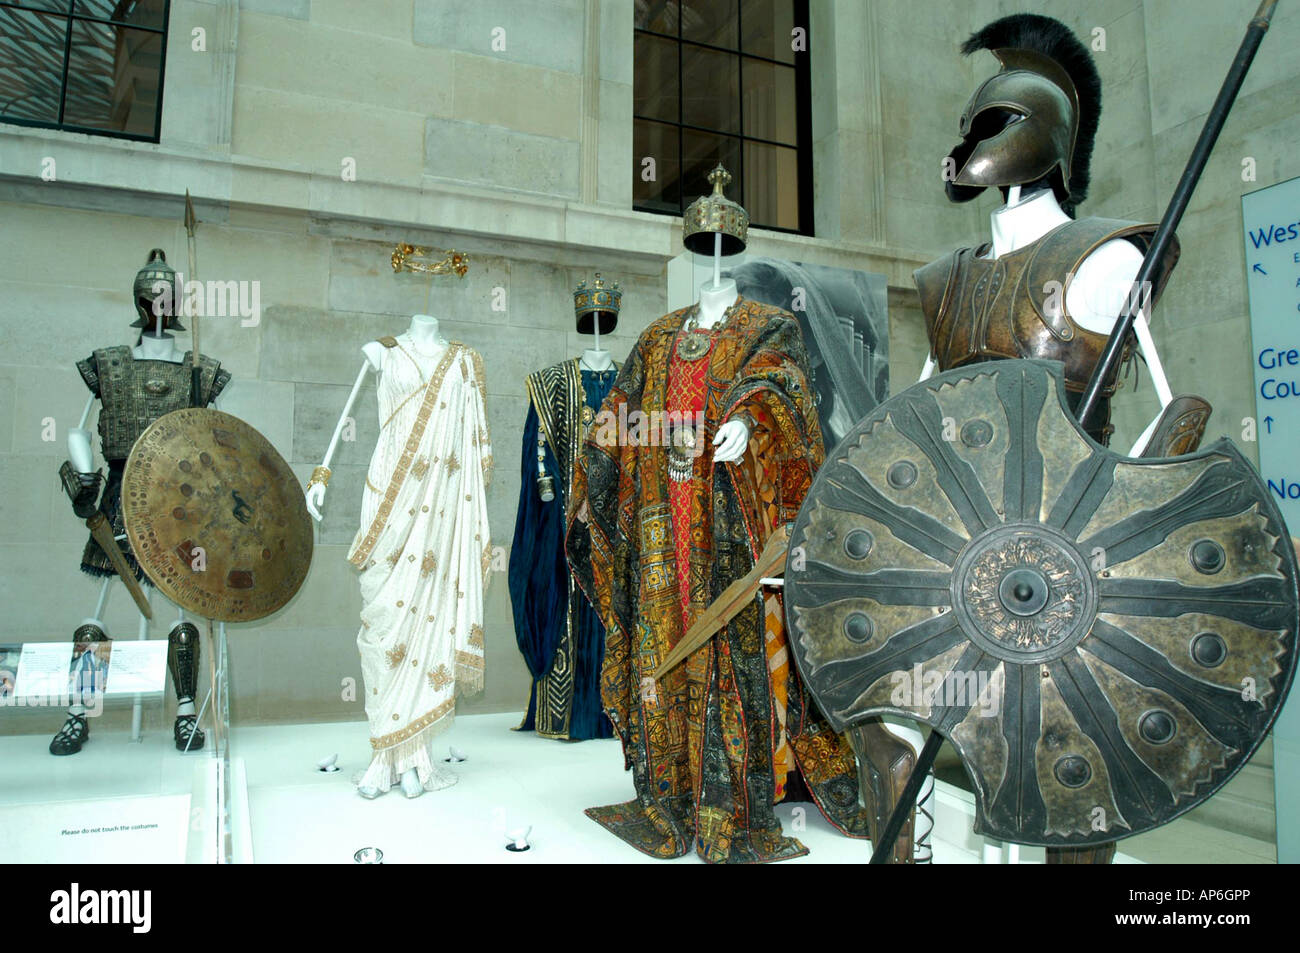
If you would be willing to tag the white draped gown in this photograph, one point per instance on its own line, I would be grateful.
(423, 551)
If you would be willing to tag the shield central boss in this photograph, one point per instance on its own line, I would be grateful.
(215, 516)
(1105, 641)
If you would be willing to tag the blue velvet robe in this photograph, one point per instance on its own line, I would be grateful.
(559, 634)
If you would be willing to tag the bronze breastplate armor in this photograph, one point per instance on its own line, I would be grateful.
(979, 309)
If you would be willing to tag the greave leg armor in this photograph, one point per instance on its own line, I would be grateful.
(183, 661)
(76, 729)
(885, 762)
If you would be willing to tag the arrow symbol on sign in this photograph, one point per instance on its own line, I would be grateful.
(1268, 422)
(1259, 269)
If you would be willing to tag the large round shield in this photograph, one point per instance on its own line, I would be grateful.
(215, 516)
(1104, 640)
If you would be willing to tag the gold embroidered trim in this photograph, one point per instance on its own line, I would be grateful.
(405, 400)
(418, 369)
(415, 727)
(481, 380)
(413, 441)
(371, 486)
(485, 432)
(469, 661)
(476, 635)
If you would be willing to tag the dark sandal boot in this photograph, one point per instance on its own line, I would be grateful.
(74, 733)
(187, 734)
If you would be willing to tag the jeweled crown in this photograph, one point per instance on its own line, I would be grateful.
(715, 214)
(596, 297)
(597, 302)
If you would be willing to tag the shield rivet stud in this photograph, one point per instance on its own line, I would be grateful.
(858, 544)
(1157, 727)
(902, 474)
(857, 627)
(977, 434)
(1073, 771)
(1207, 556)
(1209, 649)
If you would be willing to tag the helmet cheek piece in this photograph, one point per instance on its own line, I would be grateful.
(953, 166)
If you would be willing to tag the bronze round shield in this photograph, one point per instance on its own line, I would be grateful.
(1104, 640)
(215, 516)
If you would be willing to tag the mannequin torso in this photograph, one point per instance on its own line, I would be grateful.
(596, 359)
(1102, 282)
(716, 296)
(152, 347)
(715, 299)
(423, 333)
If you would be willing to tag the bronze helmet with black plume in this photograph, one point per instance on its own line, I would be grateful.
(1035, 120)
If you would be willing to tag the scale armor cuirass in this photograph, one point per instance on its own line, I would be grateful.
(134, 393)
(983, 309)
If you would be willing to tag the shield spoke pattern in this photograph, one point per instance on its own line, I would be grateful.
(1105, 641)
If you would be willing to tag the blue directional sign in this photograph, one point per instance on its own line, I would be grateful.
(1271, 226)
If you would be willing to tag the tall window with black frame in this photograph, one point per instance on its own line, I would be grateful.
(91, 66)
(724, 81)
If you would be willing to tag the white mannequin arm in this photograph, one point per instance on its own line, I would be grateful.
(79, 452)
(316, 491)
(1101, 290)
(931, 365)
(1098, 293)
(1148, 345)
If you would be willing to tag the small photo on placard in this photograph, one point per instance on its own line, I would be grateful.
(9, 656)
(88, 673)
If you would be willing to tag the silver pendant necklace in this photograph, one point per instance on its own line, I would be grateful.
(692, 340)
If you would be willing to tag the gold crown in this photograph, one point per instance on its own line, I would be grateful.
(597, 302)
(715, 214)
(408, 257)
(598, 297)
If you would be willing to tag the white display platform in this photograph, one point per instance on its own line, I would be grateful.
(511, 779)
(285, 811)
(116, 801)
(123, 830)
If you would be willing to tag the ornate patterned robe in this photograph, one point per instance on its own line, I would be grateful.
(423, 550)
(558, 631)
(716, 742)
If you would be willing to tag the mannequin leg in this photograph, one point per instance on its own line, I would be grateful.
(137, 703)
(76, 728)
